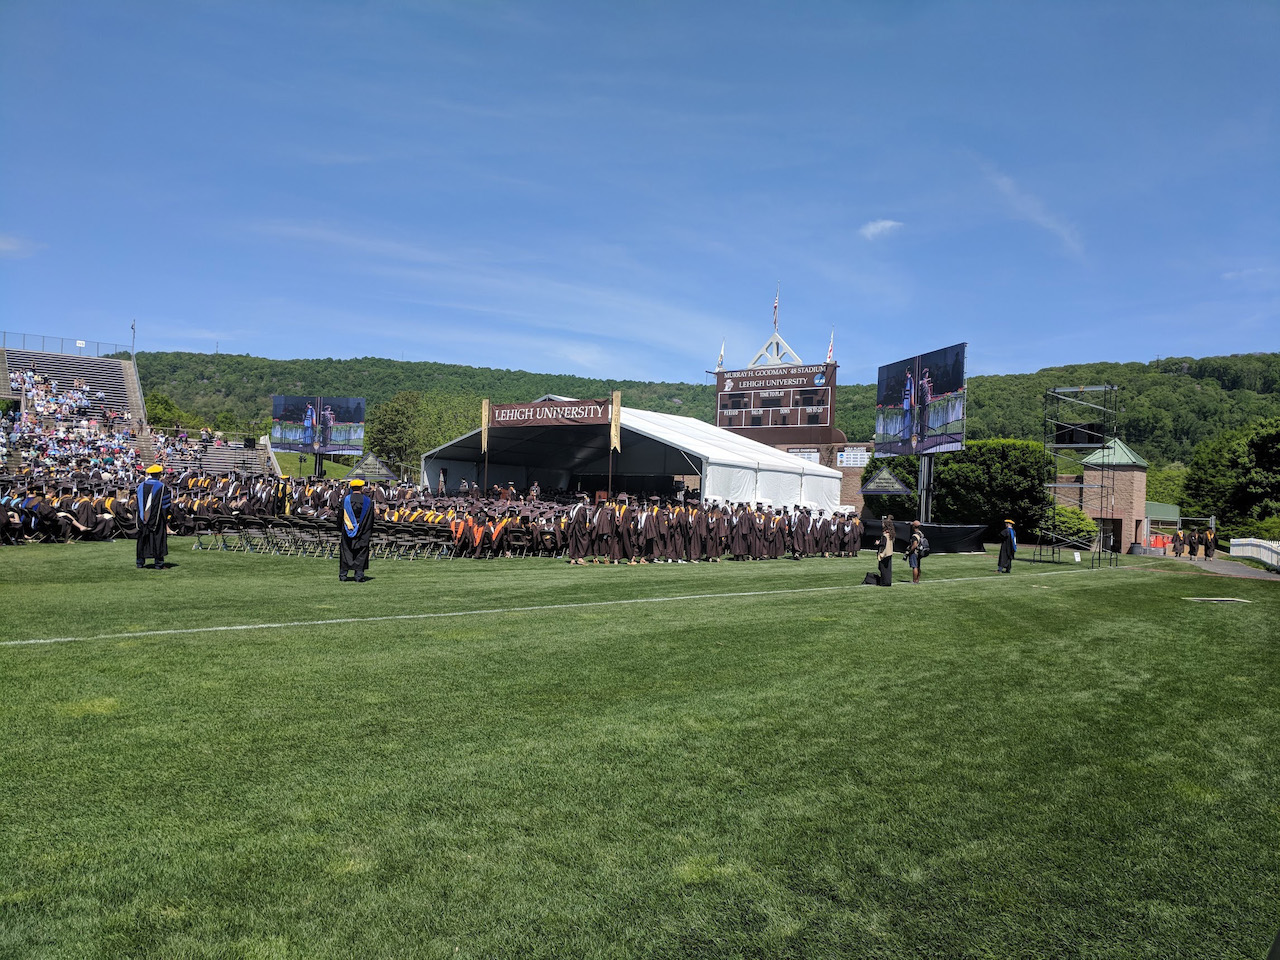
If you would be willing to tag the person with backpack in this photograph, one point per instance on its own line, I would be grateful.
(917, 550)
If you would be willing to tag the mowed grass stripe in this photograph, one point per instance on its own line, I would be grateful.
(526, 609)
(1062, 765)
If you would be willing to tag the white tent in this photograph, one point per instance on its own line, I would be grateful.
(654, 445)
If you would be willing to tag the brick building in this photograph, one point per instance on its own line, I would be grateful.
(1112, 490)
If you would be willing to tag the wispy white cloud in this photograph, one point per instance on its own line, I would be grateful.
(337, 158)
(501, 296)
(878, 228)
(17, 248)
(324, 235)
(1026, 206)
(1261, 276)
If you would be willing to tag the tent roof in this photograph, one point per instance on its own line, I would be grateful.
(652, 443)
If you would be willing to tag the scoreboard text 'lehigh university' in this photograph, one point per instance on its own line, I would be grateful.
(778, 404)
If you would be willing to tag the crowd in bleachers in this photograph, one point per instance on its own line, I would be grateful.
(51, 451)
(62, 426)
(76, 402)
(178, 449)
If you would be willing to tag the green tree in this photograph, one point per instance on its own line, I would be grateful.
(447, 416)
(226, 422)
(991, 480)
(396, 431)
(1167, 484)
(1236, 478)
(163, 413)
(1072, 526)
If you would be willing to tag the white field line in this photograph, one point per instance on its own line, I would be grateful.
(235, 627)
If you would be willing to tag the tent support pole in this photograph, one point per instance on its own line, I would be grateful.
(696, 471)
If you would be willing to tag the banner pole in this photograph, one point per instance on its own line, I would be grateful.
(615, 432)
(484, 440)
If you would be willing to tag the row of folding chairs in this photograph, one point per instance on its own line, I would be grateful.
(300, 537)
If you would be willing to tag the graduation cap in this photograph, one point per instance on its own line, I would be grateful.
(357, 482)
(155, 468)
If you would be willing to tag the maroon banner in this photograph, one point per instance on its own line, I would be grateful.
(550, 413)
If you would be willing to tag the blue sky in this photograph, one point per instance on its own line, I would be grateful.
(611, 189)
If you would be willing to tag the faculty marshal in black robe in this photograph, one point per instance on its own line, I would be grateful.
(153, 518)
(1008, 547)
(355, 533)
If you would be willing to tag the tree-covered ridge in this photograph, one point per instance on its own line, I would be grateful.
(209, 384)
(1168, 407)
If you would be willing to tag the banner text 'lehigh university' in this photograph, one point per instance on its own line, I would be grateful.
(549, 413)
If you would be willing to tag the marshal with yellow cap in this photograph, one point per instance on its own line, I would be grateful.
(154, 503)
(1008, 547)
(355, 532)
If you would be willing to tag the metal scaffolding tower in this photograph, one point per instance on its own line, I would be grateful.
(1079, 423)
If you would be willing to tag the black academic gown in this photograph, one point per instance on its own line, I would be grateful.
(355, 537)
(153, 519)
(1007, 549)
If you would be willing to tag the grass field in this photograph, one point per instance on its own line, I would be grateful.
(520, 759)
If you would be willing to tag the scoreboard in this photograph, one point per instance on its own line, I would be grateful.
(779, 404)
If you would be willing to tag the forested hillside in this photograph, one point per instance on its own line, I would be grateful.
(241, 386)
(1168, 407)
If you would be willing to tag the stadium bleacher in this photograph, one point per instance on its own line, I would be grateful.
(122, 392)
(99, 373)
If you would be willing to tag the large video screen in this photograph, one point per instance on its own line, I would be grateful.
(920, 404)
(335, 423)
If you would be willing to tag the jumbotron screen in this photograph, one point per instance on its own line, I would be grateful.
(920, 404)
(336, 424)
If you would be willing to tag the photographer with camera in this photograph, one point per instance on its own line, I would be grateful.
(884, 553)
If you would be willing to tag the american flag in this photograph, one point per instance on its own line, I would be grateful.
(831, 347)
(775, 312)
